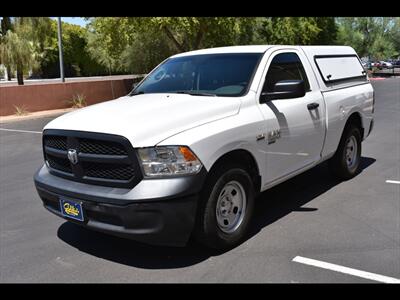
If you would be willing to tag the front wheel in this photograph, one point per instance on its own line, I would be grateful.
(345, 164)
(226, 208)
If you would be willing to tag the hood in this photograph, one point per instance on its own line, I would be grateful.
(149, 118)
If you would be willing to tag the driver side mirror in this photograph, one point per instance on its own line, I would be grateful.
(285, 89)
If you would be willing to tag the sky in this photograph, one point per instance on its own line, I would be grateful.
(73, 20)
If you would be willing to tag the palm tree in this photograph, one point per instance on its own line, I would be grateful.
(23, 40)
(17, 51)
(5, 25)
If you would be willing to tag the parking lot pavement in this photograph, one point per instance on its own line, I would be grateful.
(349, 231)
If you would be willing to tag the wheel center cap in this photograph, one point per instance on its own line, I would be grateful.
(226, 206)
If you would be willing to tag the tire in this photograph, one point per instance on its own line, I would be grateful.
(224, 188)
(345, 164)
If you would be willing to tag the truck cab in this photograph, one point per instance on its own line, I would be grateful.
(187, 151)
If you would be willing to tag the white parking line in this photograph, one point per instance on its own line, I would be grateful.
(17, 130)
(341, 269)
(393, 181)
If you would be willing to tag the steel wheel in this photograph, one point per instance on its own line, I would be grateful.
(351, 154)
(226, 207)
(231, 207)
(345, 164)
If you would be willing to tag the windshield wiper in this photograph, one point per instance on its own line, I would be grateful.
(195, 93)
(137, 93)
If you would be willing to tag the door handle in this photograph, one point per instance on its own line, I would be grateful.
(312, 106)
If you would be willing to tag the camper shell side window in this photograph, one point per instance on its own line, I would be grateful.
(337, 69)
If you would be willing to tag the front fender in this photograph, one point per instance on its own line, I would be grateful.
(211, 141)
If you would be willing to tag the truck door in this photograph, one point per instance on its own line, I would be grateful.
(295, 128)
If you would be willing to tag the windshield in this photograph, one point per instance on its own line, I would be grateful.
(210, 74)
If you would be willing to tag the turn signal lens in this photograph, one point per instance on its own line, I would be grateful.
(187, 154)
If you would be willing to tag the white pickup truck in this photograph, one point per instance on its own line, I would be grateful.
(188, 150)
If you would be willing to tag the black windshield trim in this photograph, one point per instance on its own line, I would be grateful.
(188, 92)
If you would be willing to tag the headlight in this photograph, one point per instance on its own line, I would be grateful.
(168, 161)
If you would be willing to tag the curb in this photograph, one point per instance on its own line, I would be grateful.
(377, 78)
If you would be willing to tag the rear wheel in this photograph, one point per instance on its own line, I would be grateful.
(345, 164)
(226, 208)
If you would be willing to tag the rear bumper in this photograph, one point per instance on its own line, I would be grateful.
(156, 211)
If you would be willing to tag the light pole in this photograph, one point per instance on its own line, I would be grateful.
(60, 50)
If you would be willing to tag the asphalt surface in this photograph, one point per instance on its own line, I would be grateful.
(354, 224)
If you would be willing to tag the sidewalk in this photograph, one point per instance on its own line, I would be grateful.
(34, 115)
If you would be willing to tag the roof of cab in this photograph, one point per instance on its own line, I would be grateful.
(313, 50)
(328, 50)
(229, 49)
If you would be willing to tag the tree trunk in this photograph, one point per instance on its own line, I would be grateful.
(170, 35)
(6, 24)
(199, 36)
(20, 74)
(9, 74)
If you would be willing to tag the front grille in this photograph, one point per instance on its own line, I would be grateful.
(103, 159)
(58, 163)
(57, 142)
(95, 147)
(111, 171)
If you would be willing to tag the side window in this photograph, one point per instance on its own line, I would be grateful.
(285, 66)
(340, 68)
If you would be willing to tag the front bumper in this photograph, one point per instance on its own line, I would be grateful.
(155, 211)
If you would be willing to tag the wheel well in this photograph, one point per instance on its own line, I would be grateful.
(243, 158)
(355, 119)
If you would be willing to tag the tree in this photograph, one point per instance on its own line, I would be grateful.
(144, 41)
(328, 33)
(16, 50)
(394, 35)
(77, 60)
(5, 26)
(191, 33)
(297, 30)
(36, 38)
(147, 50)
(383, 48)
(107, 39)
(22, 42)
(374, 37)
